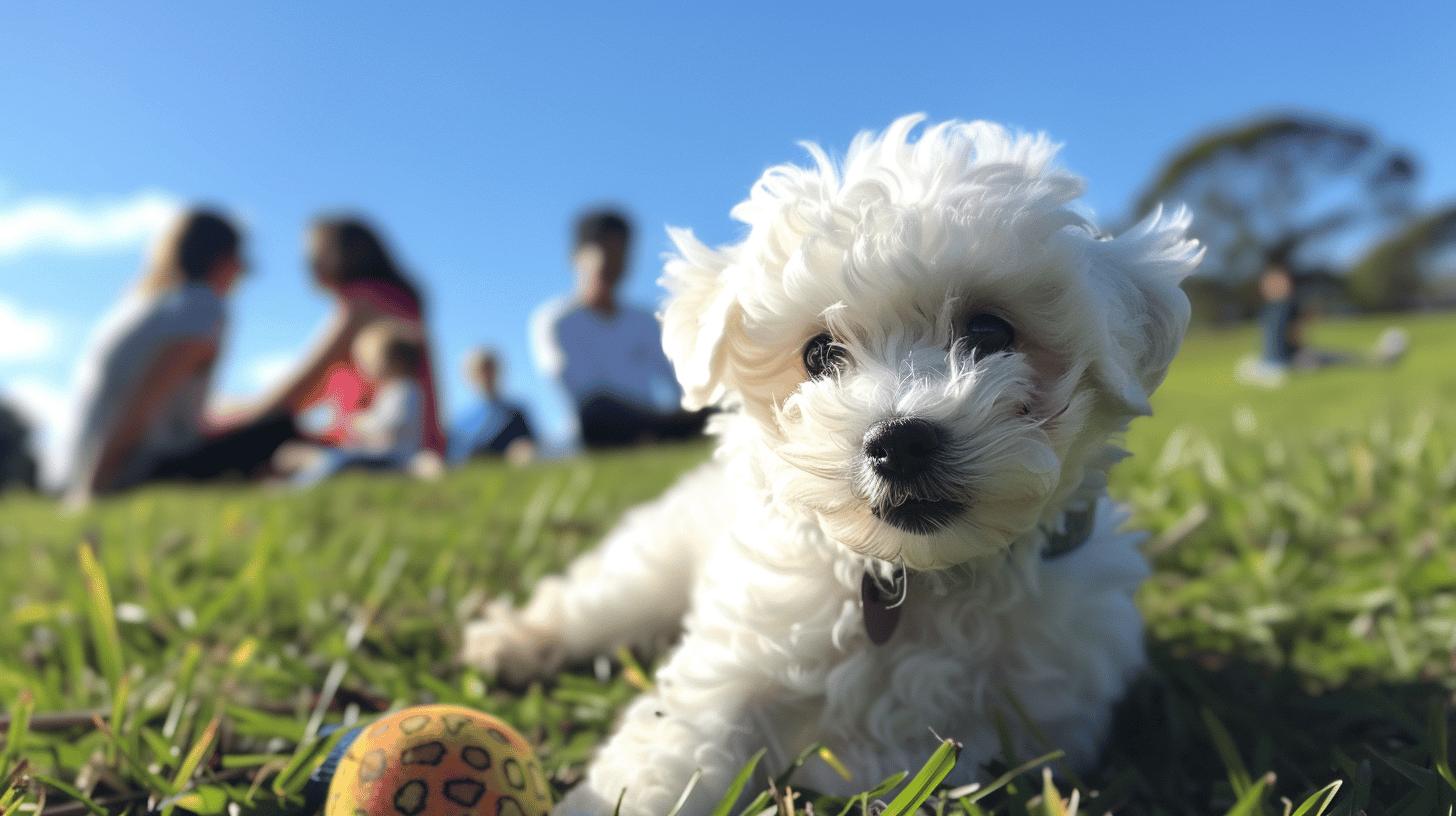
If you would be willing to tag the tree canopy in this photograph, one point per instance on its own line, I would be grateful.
(1282, 188)
(1394, 273)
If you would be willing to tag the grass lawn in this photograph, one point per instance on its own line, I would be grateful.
(182, 648)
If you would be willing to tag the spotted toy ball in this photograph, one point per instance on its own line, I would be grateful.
(438, 759)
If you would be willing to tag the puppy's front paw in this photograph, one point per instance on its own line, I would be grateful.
(505, 646)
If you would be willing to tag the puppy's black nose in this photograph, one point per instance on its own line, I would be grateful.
(902, 448)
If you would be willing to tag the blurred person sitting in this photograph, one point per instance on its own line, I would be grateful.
(607, 355)
(1282, 322)
(494, 426)
(144, 380)
(349, 261)
(388, 435)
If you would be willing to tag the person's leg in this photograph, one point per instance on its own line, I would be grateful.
(682, 424)
(243, 451)
(340, 460)
(608, 422)
(1309, 359)
(1275, 325)
(322, 464)
(515, 429)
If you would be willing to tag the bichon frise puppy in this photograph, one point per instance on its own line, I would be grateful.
(922, 354)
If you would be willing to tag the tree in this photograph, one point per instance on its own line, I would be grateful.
(1285, 188)
(1397, 272)
(17, 464)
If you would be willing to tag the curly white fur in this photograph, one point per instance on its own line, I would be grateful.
(756, 559)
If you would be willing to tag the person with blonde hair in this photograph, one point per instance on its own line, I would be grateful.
(144, 380)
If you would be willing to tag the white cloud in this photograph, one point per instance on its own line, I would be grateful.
(64, 225)
(24, 336)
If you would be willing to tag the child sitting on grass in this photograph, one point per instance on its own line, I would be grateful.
(389, 434)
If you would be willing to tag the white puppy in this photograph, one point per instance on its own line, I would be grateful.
(922, 354)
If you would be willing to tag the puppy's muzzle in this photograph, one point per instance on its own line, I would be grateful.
(906, 452)
(902, 449)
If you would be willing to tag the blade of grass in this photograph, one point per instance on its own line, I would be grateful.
(1051, 798)
(137, 766)
(1320, 800)
(207, 800)
(740, 781)
(782, 780)
(12, 792)
(15, 735)
(863, 799)
(1007, 778)
(1440, 744)
(186, 674)
(101, 613)
(119, 695)
(757, 805)
(682, 801)
(1037, 733)
(1252, 800)
(834, 764)
(632, 671)
(924, 783)
(193, 760)
(292, 778)
(1223, 743)
(72, 791)
(11, 801)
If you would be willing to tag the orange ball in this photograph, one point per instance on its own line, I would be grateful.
(438, 759)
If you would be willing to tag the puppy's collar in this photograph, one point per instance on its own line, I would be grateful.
(880, 600)
(1076, 530)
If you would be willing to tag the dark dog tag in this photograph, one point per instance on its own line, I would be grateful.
(881, 609)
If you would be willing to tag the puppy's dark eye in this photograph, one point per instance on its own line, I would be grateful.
(821, 355)
(985, 334)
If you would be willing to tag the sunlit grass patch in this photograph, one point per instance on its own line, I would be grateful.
(184, 648)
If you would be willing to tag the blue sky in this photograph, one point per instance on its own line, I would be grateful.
(472, 133)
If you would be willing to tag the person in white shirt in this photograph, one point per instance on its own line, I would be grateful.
(606, 355)
(390, 433)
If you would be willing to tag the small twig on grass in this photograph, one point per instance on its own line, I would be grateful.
(58, 721)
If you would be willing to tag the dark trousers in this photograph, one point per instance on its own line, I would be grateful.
(240, 453)
(608, 422)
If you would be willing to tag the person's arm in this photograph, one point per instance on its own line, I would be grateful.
(177, 363)
(546, 348)
(304, 387)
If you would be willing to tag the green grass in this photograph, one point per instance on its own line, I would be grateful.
(181, 648)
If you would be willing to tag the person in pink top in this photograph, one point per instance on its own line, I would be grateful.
(350, 262)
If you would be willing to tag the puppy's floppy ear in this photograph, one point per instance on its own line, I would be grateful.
(702, 304)
(1138, 275)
